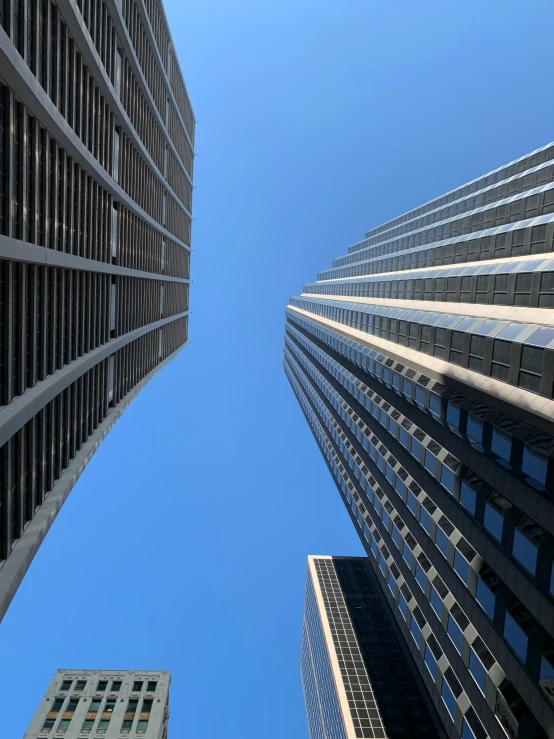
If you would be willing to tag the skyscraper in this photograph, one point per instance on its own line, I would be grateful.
(107, 703)
(356, 676)
(96, 155)
(423, 361)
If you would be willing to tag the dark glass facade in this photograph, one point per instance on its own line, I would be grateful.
(96, 155)
(357, 678)
(424, 363)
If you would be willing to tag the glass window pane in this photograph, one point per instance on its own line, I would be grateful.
(516, 637)
(485, 598)
(525, 551)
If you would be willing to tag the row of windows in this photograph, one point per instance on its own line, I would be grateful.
(34, 458)
(181, 97)
(50, 316)
(141, 116)
(179, 139)
(46, 198)
(469, 718)
(468, 343)
(516, 210)
(529, 289)
(534, 160)
(139, 181)
(113, 686)
(80, 102)
(145, 55)
(508, 243)
(512, 619)
(513, 445)
(63, 712)
(520, 537)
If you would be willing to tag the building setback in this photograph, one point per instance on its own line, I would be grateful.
(356, 674)
(423, 361)
(107, 703)
(96, 160)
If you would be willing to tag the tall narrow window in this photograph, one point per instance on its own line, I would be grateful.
(144, 715)
(115, 172)
(130, 714)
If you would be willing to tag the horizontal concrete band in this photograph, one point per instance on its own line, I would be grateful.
(17, 75)
(535, 410)
(17, 413)
(16, 565)
(79, 31)
(21, 251)
(542, 316)
(415, 274)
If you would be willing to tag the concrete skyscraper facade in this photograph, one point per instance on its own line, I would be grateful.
(96, 161)
(106, 703)
(423, 361)
(356, 675)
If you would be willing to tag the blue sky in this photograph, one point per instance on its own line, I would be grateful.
(183, 545)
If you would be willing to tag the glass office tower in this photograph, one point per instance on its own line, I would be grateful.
(107, 703)
(356, 675)
(96, 153)
(423, 361)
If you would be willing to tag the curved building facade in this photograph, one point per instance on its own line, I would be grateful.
(423, 361)
(96, 161)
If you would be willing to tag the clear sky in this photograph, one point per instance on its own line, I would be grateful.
(183, 545)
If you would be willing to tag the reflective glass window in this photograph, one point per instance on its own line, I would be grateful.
(515, 636)
(485, 597)
(431, 662)
(493, 521)
(525, 551)
(461, 566)
(477, 670)
(534, 465)
(448, 698)
(455, 633)
(468, 497)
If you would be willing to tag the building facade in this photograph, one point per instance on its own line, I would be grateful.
(103, 703)
(96, 160)
(357, 676)
(423, 361)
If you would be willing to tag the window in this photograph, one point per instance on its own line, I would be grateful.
(531, 368)
(81, 684)
(461, 566)
(102, 685)
(415, 631)
(436, 602)
(431, 662)
(477, 670)
(455, 633)
(130, 714)
(137, 685)
(468, 497)
(448, 698)
(116, 686)
(515, 636)
(493, 520)
(485, 597)
(534, 465)
(66, 684)
(500, 366)
(525, 551)
(476, 353)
